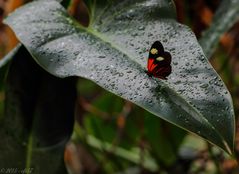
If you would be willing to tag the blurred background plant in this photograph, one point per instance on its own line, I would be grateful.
(112, 135)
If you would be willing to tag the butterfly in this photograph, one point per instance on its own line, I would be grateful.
(159, 61)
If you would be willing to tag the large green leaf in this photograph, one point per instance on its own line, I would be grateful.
(225, 17)
(112, 53)
(4, 63)
(38, 118)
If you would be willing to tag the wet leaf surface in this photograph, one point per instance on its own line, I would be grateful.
(112, 52)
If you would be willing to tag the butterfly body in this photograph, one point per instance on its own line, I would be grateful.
(159, 61)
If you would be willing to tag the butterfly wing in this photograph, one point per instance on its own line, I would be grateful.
(163, 68)
(158, 50)
(162, 72)
(151, 64)
(167, 58)
(159, 47)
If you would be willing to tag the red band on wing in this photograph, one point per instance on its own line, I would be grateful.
(151, 64)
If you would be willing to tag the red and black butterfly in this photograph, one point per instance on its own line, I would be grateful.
(159, 61)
